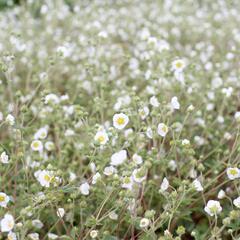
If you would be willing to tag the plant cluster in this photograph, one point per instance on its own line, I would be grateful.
(120, 120)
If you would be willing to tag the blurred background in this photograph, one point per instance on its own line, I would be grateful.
(10, 3)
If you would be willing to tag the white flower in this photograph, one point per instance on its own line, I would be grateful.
(33, 236)
(199, 140)
(190, 108)
(7, 223)
(84, 188)
(11, 236)
(4, 158)
(172, 165)
(60, 212)
(52, 98)
(44, 177)
(64, 51)
(127, 182)
(101, 137)
(93, 233)
(227, 136)
(118, 158)
(120, 120)
(221, 194)
(96, 177)
(64, 97)
(178, 65)
(154, 102)
(192, 173)
(72, 176)
(49, 145)
(162, 129)
(220, 119)
(143, 112)
(103, 34)
(197, 185)
(10, 119)
(68, 110)
(128, 132)
(37, 145)
(138, 175)
(174, 103)
(69, 133)
(149, 133)
(233, 173)
(237, 116)
(52, 236)
(110, 170)
(112, 215)
(179, 76)
(133, 64)
(41, 133)
(144, 222)
(4, 199)
(185, 142)
(227, 91)
(92, 167)
(217, 82)
(213, 207)
(210, 106)
(236, 202)
(164, 185)
(137, 158)
(37, 223)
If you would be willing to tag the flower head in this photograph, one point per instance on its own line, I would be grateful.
(197, 185)
(101, 137)
(118, 158)
(174, 103)
(120, 120)
(93, 234)
(41, 133)
(60, 212)
(144, 223)
(4, 158)
(213, 207)
(37, 145)
(178, 65)
(236, 202)
(4, 199)
(162, 129)
(84, 188)
(7, 223)
(164, 185)
(233, 173)
(10, 119)
(44, 177)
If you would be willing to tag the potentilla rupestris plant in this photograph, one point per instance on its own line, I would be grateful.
(119, 120)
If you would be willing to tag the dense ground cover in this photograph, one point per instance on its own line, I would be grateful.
(120, 120)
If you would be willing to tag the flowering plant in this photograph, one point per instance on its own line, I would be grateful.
(120, 120)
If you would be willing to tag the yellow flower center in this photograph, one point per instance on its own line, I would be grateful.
(120, 121)
(2, 198)
(47, 178)
(43, 135)
(101, 139)
(164, 128)
(179, 65)
(213, 209)
(127, 180)
(35, 144)
(10, 224)
(233, 172)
